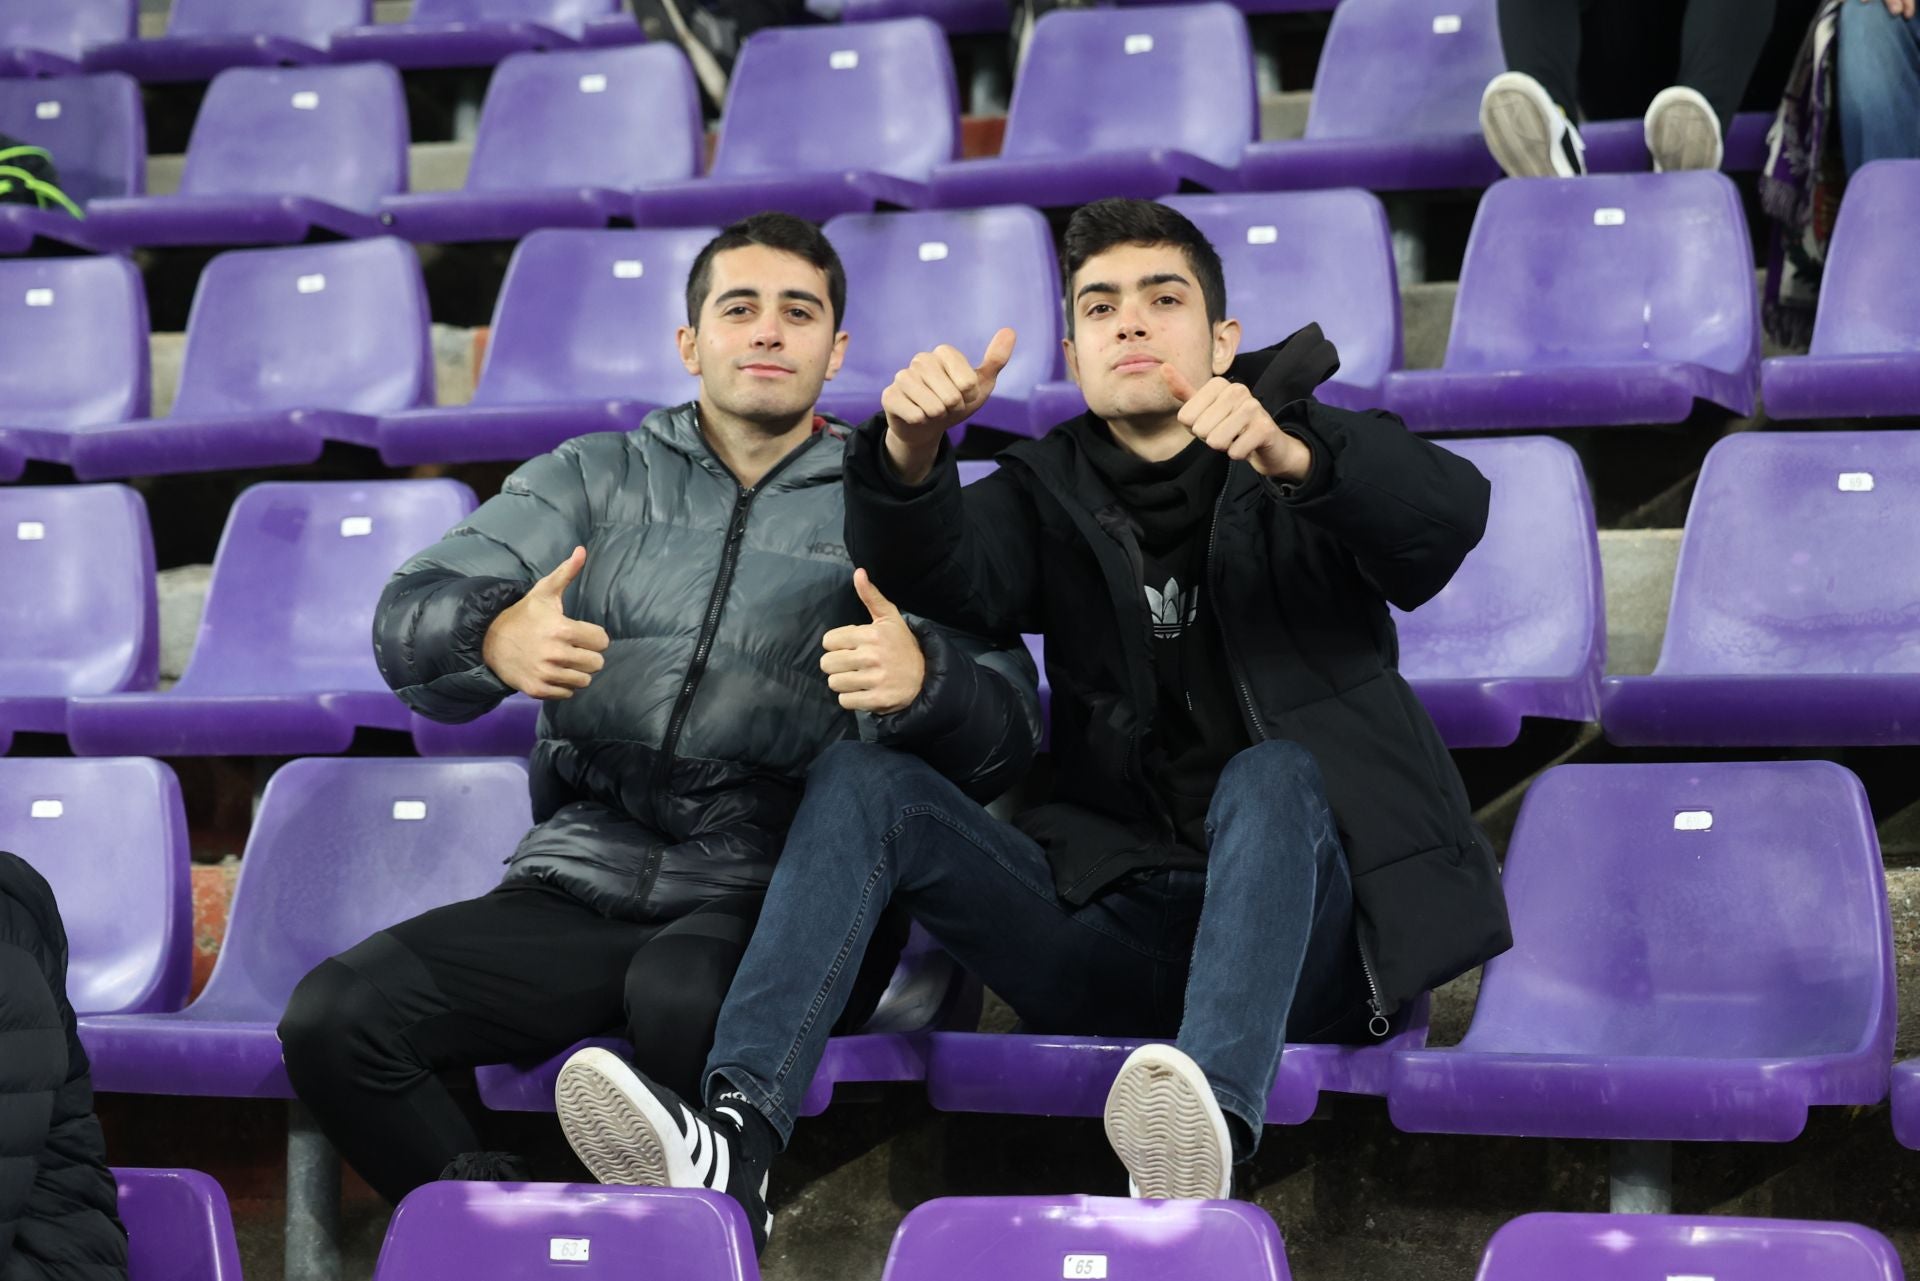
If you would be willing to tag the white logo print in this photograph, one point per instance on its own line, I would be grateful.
(1172, 610)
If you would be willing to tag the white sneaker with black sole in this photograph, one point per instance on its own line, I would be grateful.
(1167, 1128)
(1683, 131)
(1527, 132)
(628, 1130)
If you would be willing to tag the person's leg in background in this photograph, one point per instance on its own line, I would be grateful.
(1527, 112)
(1274, 956)
(520, 973)
(1720, 43)
(1878, 89)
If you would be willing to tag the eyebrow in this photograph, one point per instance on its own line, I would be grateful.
(1145, 282)
(752, 295)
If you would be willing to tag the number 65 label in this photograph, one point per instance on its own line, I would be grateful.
(1084, 1267)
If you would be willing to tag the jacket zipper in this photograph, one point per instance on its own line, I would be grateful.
(1378, 1025)
(716, 603)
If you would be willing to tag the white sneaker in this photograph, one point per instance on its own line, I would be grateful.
(1167, 1128)
(1527, 133)
(1683, 132)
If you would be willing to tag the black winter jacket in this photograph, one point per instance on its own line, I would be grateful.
(58, 1219)
(1301, 578)
(673, 777)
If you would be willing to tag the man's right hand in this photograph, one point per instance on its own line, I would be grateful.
(936, 392)
(534, 647)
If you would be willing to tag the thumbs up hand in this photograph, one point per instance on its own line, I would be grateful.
(534, 647)
(874, 667)
(1230, 420)
(936, 392)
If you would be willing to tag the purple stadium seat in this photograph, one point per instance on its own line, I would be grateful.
(77, 608)
(821, 121)
(987, 268)
(276, 155)
(282, 665)
(12, 463)
(956, 17)
(1030, 1075)
(971, 1238)
(563, 138)
(1292, 259)
(581, 342)
(1522, 629)
(928, 991)
(110, 836)
(49, 37)
(205, 37)
(1700, 952)
(1187, 114)
(1425, 133)
(96, 129)
(1865, 358)
(1654, 1247)
(1620, 298)
(286, 349)
(533, 1231)
(1794, 601)
(73, 348)
(179, 1227)
(1906, 1103)
(339, 849)
(479, 33)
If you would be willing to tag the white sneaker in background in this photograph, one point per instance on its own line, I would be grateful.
(1527, 132)
(1683, 132)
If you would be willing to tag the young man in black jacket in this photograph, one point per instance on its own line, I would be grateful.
(1255, 832)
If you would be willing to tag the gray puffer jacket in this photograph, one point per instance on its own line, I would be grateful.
(673, 777)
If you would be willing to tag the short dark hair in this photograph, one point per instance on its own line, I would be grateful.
(1098, 227)
(781, 231)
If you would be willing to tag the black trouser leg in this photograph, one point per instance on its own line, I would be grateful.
(1542, 39)
(1720, 46)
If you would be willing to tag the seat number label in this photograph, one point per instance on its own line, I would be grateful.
(1084, 1267)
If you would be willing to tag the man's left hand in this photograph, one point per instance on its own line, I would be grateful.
(1226, 416)
(874, 667)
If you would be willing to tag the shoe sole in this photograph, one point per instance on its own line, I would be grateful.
(1518, 135)
(621, 1139)
(1682, 136)
(1159, 1121)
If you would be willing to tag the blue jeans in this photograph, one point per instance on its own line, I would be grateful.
(1879, 84)
(1258, 945)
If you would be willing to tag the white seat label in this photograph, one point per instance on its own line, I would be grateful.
(47, 809)
(356, 526)
(39, 297)
(844, 59)
(410, 812)
(1263, 235)
(1084, 1267)
(1693, 821)
(1688, 1276)
(30, 531)
(1446, 24)
(311, 284)
(306, 100)
(628, 269)
(1609, 217)
(568, 1249)
(46, 111)
(1856, 482)
(593, 84)
(933, 251)
(1138, 44)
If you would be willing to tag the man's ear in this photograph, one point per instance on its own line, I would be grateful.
(1073, 360)
(1226, 345)
(838, 356)
(687, 338)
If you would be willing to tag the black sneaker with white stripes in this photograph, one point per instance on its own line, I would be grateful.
(628, 1130)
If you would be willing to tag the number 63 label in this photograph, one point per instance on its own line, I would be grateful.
(1084, 1267)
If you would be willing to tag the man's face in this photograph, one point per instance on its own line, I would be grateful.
(1135, 307)
(766, 341)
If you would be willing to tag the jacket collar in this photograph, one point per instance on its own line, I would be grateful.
(818, 462)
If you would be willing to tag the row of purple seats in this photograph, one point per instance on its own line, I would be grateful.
(205, 37)
(991, 17)
(452, 1231)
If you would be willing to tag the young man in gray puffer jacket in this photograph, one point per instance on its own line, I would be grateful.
(667, 593)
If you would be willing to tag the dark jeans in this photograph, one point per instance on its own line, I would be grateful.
(1879, 84)
(1608, 58)
(1258, 947)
